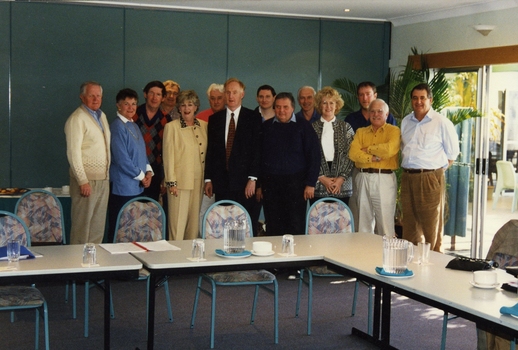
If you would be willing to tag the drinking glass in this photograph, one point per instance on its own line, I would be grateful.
(198, 249)
(89, 254)
(288, 245)
(423, 249)
(13, 250)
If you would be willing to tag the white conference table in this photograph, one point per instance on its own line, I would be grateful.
(432, 284)
(63, 263)
(356, 254)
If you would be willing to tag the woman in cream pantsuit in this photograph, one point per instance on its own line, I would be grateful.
(185, 145)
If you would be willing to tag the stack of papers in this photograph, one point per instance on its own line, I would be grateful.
(138, 247)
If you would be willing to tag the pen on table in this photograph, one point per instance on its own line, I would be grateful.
(141, 246)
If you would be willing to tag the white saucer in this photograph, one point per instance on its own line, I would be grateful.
(263, 254)
(484, 286)
(513, 316)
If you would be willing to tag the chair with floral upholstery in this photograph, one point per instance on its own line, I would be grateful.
(142, 219)
(327, 215)
(14, 298)
(212, 228)
(42, 212)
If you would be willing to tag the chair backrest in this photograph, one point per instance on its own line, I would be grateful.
(505, 173)
(504, 247)
(221, 212)
(12, 227)
(329, 215)
(43, 214)
(142, 219)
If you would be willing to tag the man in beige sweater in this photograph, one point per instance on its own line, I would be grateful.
(88, 151)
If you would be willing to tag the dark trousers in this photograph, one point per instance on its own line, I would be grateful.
(284, 204)
(115, 204)
(153, 191)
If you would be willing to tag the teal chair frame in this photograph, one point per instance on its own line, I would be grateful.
(264, 279)
(37, 301)
(314, 273)
(144, 275)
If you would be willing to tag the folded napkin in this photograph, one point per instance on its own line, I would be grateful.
(24, 253)
(384, 273)
(512, 310)
(243, 253)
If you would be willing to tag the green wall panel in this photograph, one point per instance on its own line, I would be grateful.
(5, 158)
(64, 46)
(45, 62)
(189, 48)
(283, 53)
(355, 50)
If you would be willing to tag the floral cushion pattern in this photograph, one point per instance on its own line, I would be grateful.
(242, 276)
(11, 228)
(20, 296)
(219, 215)
(43, 216)
(329, 218)
(140, 222)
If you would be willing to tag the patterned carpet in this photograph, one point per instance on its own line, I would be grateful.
(414, 325)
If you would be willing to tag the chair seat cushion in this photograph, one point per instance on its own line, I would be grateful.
(242, 276)
(20, 296)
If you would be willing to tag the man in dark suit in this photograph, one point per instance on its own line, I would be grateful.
(233, 151)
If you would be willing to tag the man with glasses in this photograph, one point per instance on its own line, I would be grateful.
(366, 93)
(375, 150)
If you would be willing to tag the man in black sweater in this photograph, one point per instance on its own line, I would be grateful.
(290, 168)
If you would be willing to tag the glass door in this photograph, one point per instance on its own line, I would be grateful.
(474, 217)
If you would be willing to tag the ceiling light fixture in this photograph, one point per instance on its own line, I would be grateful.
(484, 29)
(347, 10)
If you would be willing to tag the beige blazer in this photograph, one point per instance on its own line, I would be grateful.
(184, 152)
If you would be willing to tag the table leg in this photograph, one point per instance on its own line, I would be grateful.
(385, 316)
(151, 312)
(381, 320)
(377, 313)
(107, 306)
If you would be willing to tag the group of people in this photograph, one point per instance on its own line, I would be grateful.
(270, 157)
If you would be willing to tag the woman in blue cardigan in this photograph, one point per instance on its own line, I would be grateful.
(130, 171)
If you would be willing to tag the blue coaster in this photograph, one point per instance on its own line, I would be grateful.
(382, 272)
(243, 253)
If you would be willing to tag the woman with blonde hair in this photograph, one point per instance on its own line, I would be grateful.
(185, 145)
(335, 138)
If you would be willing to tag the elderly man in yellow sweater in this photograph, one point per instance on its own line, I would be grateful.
(88, 152)
(374, 151)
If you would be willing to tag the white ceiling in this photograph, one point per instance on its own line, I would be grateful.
(399, 12)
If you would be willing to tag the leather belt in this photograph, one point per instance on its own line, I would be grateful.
(375, 171)
(418, 171)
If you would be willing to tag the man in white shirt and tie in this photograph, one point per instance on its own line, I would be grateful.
(233, 151)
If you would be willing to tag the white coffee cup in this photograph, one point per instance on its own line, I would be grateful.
(261, 247)
(65, 189)
(48, 189)
(484, 277)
